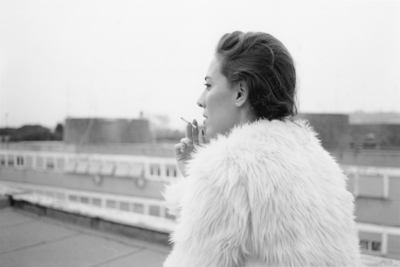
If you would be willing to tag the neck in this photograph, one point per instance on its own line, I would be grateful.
(246, 116)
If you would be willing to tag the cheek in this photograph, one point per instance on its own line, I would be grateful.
(212, 102)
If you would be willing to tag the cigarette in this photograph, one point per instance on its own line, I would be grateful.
(194, 126)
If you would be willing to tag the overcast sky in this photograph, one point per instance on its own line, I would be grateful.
(115, 59)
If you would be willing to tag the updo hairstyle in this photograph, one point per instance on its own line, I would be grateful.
(264, 63)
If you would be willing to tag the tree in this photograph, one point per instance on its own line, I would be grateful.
(58, 132)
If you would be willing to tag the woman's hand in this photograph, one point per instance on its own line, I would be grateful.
(184, 149)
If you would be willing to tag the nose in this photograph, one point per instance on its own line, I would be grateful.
(201, 101)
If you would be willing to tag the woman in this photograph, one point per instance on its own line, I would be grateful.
(262, 192)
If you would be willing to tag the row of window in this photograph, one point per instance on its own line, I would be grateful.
(90, 167)
(370, 246)
(371, 182)
(126, 206)
(379, 240)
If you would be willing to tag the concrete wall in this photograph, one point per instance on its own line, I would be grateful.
(372, 206)
(139, 149)
(393, 247)
(100, 131)
(110, 185)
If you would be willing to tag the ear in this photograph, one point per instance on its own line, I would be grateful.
(242, 94)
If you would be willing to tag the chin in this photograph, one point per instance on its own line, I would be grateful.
(209, 134)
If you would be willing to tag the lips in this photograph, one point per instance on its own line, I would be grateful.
(205, 121)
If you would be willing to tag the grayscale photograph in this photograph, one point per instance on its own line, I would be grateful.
(199, 133)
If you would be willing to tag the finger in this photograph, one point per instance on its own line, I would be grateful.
(196, 133)
(189, 132)
(186, 145)
(178, 149)
(201, 137)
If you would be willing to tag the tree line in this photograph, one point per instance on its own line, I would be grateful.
(32, 133)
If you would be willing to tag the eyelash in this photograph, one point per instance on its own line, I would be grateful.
(207, 85)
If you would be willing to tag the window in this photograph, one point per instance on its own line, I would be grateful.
(122, 170)
(376, 246)
(136, 170)
(73, 198)
(60, 196)
(50, 164)
(60, 164)
(371, 242)
(96, 202)
(10, 160)
(169, 216)
(39, 162)
(124, 206)
(20, 161)
(82, 167)
(2, 160)
(138, 208)
(94, 167)
(29, 161)
(155, 170)
(84, 200)
(71, 166)
(111, 204)
(364, 244)
(171, 171)
(370, 246)
(154, 210)
(107, 169)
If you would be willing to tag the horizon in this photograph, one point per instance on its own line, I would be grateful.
(370, 114)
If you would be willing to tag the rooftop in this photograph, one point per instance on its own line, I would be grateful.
(28, 239)
(31, 239)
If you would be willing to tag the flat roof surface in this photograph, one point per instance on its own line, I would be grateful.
(32, 240)
(38, 241)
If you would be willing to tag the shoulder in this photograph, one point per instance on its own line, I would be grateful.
(252, 144)
(262, 153)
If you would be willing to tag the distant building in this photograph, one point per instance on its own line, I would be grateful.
(373, 175)
(4, 138)
(374, 118)
(333, 129)
(342, 131)
(377, 198)
(106, 131)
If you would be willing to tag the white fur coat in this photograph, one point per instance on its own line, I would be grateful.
(267, 194)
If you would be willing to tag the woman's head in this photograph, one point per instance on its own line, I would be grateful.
(255, 78)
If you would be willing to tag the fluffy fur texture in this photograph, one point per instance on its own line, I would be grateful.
(267, 194)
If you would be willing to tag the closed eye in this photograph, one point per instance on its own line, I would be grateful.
(207, 86)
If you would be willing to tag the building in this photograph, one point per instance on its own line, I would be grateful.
(106, 131)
